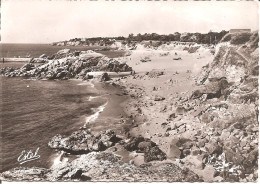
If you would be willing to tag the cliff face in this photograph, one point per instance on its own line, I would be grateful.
(231, 83)
(237, 64)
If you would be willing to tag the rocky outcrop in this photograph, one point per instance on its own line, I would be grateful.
(155, 73)
(102, 166)
(95, 164)
(66, 64)
(212, 130)
(146, 146)
(83, 141)
(191, 49)
(104, 77)
(226, 103)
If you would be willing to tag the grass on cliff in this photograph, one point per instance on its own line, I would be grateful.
(237, 38)
(240, 38)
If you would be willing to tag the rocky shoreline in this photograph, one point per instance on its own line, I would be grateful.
(181, 131)
(66, 64)
(213, 127)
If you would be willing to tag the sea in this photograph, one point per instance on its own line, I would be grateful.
(16, 50)
(33, 111)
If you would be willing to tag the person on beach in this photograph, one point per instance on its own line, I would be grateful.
(3, 60)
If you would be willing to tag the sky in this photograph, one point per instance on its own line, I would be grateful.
(46, 21)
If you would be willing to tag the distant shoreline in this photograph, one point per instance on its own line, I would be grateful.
(15, 59)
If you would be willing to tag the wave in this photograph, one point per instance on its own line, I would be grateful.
(87, 83)
(60, 159)
(94, 116)
(94, 97)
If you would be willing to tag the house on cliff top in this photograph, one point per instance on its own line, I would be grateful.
(240, 30)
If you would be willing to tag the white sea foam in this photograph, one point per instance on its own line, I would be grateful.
(60, 159)
(87, 84)
(92, 97)
(94, 116)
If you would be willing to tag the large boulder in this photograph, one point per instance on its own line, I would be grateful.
(27, 67)
(155, 73)
(250, 163)
(86, 55)
(213, 89)
(104, 77)
(149, 148)
(154, 153)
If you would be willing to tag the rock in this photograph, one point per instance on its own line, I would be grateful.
(145, 145)
(27, 67)
(43, 56)
(238, 125)
(82, 141)
(88, 77)
(177, 58)
(39, 60)
(154, 154)
(102, 166)
(155, 73)
(179, 124)
(139, 160)
(146, 59)
(209, 173)
(255, 129)
(212, 89)
(234, 157)
(133, 143)
(213, 148)
(251, 161)
(201, 143)
(158, 98)
(186, 152)
(180, 111)
(174, 151)
(24, 174)
(187, 144)
(104, 77)
(166, 134)
(195, 151)
(218, 179)
(243, 142)
(61, 75)
(193, 162)
(63, 51)
(234, 139)
(172, 116)
(74, 174)
(131, 162)
(183, 142)
(225, 134)
(74, 64)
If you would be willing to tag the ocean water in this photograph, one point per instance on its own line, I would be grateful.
(15, 50)
(33, 111)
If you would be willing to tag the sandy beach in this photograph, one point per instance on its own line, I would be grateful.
(180, 107)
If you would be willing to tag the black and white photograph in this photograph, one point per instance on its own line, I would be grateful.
(129, 91)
